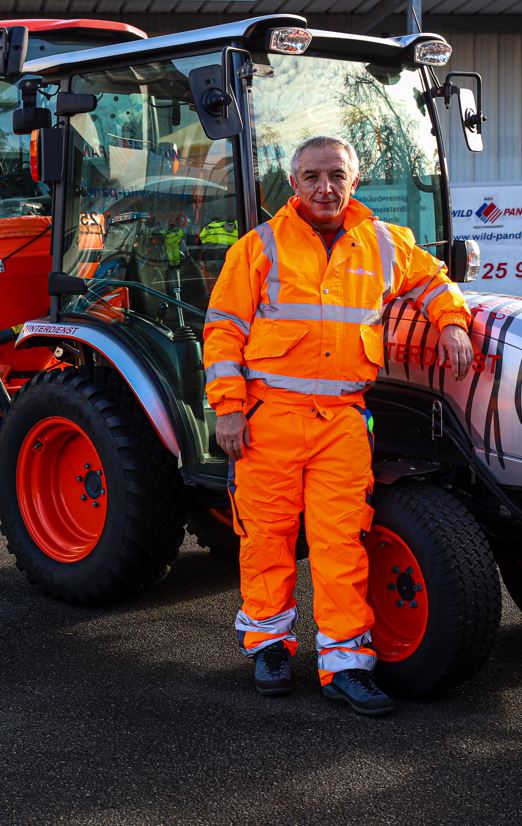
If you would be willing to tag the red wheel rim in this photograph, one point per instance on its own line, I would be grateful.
(398, 595)
(61, 489)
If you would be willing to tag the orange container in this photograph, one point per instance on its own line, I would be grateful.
(25, 263)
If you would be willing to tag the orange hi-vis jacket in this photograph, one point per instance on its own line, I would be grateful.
(285, 315)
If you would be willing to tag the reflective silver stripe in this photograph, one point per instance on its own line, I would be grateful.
(322, 641)
(387, 253)
(319, 312)
(338, 660)
(266, 234)
(219, 315)
(333, 658)
(319, 387)
(417, 291)
(279, 625)
(450, 288)
(221, 369)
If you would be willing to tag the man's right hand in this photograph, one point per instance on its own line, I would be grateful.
(232, 433)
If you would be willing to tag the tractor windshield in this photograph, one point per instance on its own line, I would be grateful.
(382, 112)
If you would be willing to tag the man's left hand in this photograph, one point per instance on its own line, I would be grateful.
(455, 345)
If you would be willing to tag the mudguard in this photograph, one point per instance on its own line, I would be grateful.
(143, 385)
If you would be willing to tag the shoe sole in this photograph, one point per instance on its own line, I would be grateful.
(273, 692)
(333, 694)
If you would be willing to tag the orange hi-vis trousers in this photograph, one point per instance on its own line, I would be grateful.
(318, 460)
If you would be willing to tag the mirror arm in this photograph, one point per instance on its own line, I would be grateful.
(227, 51)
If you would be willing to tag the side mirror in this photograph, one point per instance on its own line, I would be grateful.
(216, 106)
(68, 103)
(471, 114)
(29, 118)
(471, 119)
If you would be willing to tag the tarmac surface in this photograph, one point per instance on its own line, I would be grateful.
(145, 715)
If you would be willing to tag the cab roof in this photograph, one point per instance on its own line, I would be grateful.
(250, 33)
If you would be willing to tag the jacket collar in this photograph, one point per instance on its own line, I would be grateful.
(355, 213)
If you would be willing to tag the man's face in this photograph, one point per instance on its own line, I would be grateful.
(324, 182)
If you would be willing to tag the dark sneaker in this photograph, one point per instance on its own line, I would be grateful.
(273, 670)
(357, 687)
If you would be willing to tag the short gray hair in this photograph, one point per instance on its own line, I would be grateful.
(319, 142)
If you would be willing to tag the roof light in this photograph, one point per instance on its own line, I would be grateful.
(289, 41)
(433, 53)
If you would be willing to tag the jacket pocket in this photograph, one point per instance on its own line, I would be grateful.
(274, 340)
(371, 336)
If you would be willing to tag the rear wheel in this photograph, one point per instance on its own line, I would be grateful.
(434, 587)
(92, 505)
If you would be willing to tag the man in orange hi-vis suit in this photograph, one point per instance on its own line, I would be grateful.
(293, 338)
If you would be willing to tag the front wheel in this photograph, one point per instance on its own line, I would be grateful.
(434, 588)
(91, 503)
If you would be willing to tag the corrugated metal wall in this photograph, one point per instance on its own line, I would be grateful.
(498, 58)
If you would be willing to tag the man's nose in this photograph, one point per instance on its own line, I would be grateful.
(325, 184)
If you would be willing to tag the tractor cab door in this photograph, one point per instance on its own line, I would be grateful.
(150, 209)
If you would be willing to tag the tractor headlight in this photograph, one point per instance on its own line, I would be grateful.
(289, 41)
(432, 53)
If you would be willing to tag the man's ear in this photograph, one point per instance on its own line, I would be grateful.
(355, 182)
(293, 184)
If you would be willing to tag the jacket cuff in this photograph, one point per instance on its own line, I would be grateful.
(459, 319)
(228, 406)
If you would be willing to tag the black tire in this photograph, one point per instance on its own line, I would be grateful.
(461, 589)
(144, 512)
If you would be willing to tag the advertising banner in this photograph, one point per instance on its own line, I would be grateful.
(492, 215)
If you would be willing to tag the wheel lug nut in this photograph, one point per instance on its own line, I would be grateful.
(409, 570)
(79, 478)
(396, 569)
(417, 587)
(86, 467)
(413, 604)
(400, 603)
(95, 504)
(98, 472)
(83, 497)
(391, 586)
(102, 491)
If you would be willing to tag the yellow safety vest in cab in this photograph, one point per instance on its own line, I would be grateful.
(215, 239)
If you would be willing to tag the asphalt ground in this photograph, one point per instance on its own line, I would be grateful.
(145, 714)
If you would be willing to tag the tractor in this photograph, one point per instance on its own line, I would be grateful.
(163, 152)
